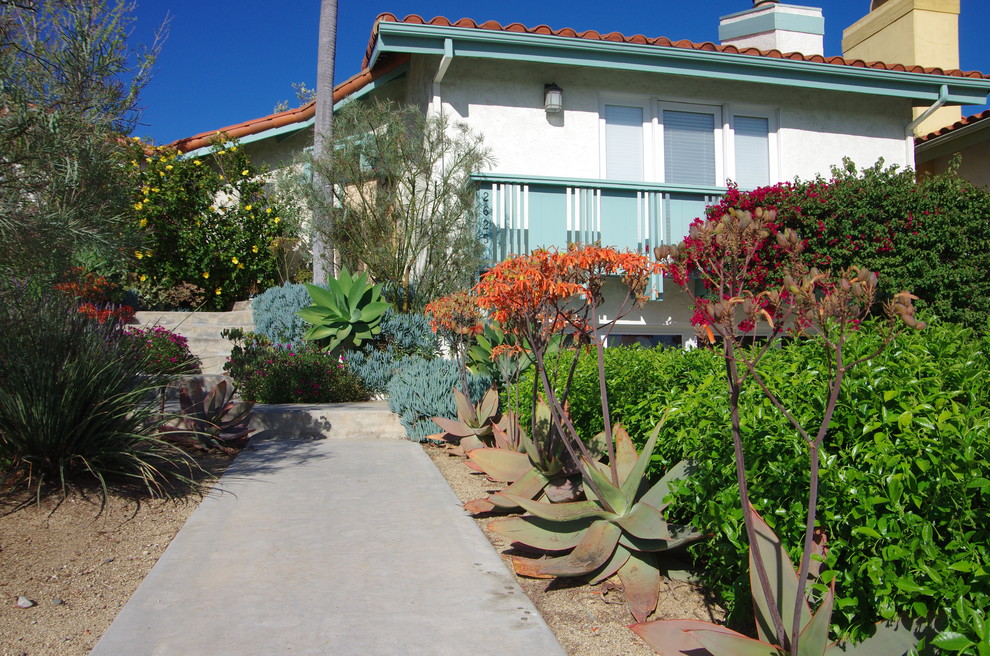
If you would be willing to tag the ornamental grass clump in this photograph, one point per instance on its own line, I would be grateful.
(76, 400)
(746, 299)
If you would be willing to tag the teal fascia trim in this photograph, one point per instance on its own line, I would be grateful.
(371, 86)
(768, 21)
(569, 51)
(503, 178)
(251, 138)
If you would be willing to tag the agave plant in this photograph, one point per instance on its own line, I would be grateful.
(346, 314)
(535, 466)
(618, 532)
(678, 637)
(210, 419)
(474, 424)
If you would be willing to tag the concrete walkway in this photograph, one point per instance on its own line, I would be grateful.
(354, 545)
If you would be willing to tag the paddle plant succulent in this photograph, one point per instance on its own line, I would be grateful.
(474, 425)
(210, 419)
(744, 294)
(618, 531)
(536, 466)
(345, 314)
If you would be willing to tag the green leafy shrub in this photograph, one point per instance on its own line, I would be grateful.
(273, 373)
(76, 400)
(905, 474)
(165, 352)
(211, 228)
(421, 389)
(274, 313)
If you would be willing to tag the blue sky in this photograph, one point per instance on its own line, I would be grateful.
(228, 61)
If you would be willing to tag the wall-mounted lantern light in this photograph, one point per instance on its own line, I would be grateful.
(553, 98)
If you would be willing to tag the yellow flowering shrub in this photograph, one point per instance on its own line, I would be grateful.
(192, 235)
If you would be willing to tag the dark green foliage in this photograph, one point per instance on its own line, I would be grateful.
(166, 352)
(421, 389)
(68, 93)
(274, 313)
(905, 474)
(76, 399)
(271, 373)
(931, 237)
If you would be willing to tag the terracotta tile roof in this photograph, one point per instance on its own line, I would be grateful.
(390, 61)
(658, 41)
(298, 115)
(961, 123)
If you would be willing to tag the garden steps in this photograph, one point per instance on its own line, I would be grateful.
(330, 546)
(202, 331)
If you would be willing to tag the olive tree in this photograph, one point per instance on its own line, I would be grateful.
(69, 89)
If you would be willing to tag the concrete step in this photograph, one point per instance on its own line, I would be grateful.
(327, 420)
(234, 318)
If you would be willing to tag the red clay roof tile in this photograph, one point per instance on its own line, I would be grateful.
(660, 41)
(961, 123)
(366, 76)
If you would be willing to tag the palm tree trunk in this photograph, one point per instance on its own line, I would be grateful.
(323, 264)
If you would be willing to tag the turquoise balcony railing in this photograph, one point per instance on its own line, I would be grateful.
(523, 213)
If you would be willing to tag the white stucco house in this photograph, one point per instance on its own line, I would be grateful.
(624, 138)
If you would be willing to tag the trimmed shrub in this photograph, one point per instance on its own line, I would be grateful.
(272, 373)
(274, 313)
(165, 352)
(905, 479)
(421, 389)
(76, 399)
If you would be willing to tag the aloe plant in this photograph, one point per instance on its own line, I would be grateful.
(473, 427)
(210, 419)
(535, 466)
(678, 637)
(619, 532)
(346, 314)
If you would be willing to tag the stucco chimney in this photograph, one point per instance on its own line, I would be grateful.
(913, 33)
(770, 25)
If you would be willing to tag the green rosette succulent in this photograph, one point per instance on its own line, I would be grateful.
(345, 314)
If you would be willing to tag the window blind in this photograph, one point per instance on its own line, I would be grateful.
(623, 142)
(689, 147)
(752, 151)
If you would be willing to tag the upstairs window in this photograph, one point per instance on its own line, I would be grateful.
(752, 146)
(689, 146)
(623, 142)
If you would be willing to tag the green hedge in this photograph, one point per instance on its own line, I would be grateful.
(905, 476)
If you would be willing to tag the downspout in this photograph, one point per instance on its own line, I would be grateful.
(943, 96)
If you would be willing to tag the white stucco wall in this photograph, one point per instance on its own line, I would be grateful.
(504, 102)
